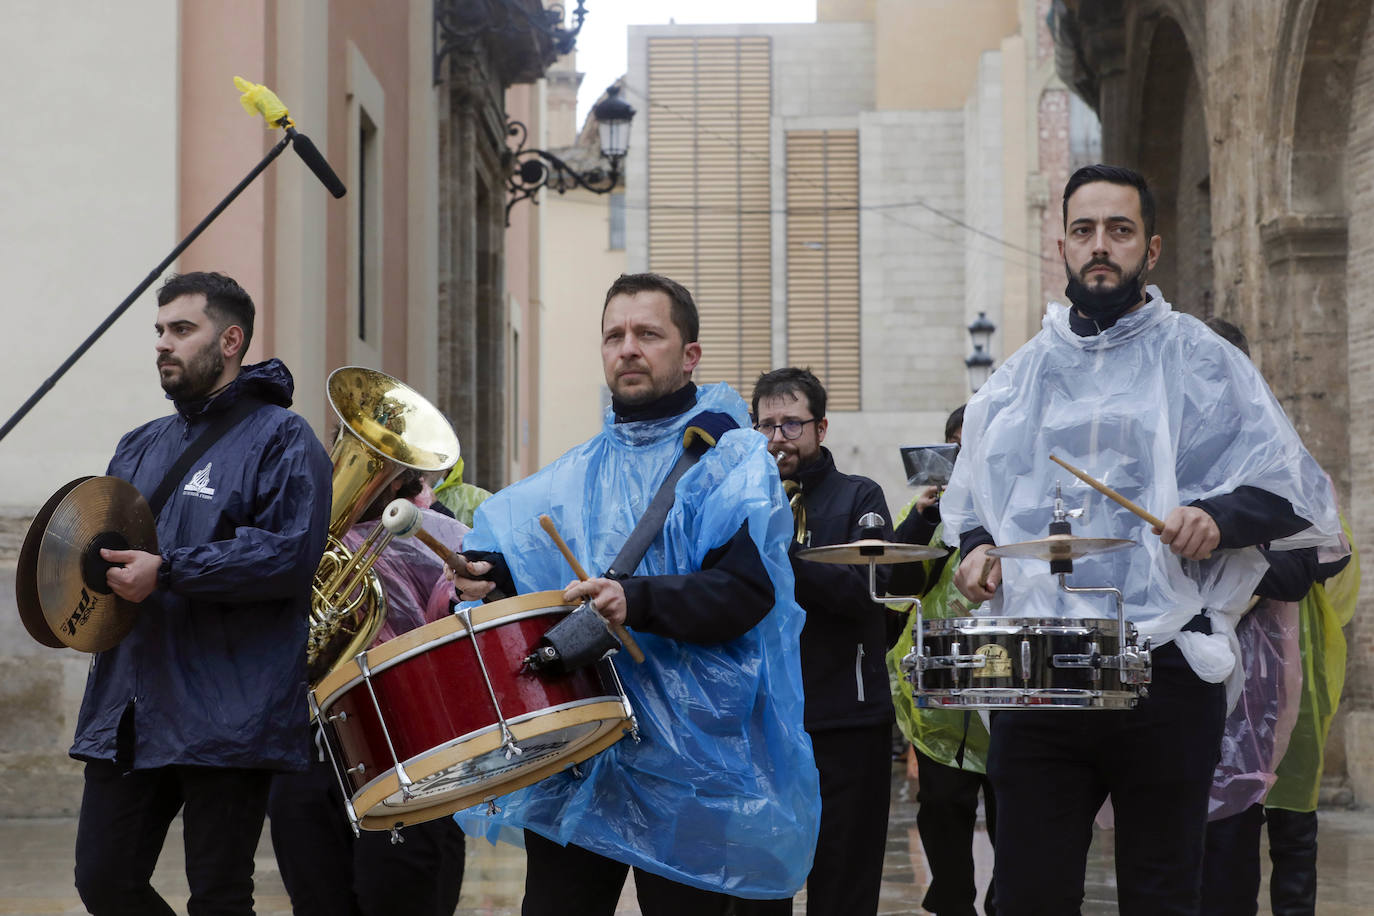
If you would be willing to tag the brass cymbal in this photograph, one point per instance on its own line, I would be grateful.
(78, 606)
(26, 573)
(1059, 547)
(871, 550)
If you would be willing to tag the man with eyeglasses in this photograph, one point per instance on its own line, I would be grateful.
(848, 702)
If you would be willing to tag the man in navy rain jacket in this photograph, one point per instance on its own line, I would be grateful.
(206, 697)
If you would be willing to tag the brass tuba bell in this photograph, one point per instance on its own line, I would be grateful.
(385, 426)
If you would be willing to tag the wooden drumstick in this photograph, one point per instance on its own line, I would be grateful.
(987, 571)
(453, 560)
(619, 630)
(1108, 492)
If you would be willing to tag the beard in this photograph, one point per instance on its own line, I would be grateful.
(198, 376)
(650, 389)
(1106, 304)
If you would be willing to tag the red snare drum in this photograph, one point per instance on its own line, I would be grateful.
(447, 715)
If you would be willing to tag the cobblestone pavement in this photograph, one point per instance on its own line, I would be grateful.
(36, 869)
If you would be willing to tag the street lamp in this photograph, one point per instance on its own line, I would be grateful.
(979, 362)
(532, 169)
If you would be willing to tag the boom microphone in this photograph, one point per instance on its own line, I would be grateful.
(310, 155)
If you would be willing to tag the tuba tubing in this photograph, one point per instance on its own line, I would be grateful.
(385, 426)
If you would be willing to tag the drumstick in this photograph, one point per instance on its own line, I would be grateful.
(987, 570)
(1108, 492)
(619, 630)
(453, 560)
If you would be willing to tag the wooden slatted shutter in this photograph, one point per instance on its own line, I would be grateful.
(823, 260)
(709, 193)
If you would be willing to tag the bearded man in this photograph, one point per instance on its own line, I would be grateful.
(1158, 407)
(196, 708)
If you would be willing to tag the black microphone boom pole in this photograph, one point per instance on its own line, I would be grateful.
(317, 164)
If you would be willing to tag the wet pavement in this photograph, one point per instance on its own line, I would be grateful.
(36, 869)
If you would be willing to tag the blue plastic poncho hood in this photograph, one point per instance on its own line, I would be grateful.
(721, 792)
(1165, 412)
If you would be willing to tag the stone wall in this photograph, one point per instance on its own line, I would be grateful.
(1260, 168)
(912, 260)
(40, 693)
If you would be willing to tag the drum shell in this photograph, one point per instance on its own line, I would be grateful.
(425, 697)
(1004, 682)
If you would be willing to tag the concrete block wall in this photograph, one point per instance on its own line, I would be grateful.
(867, 442)
(911, 163)
(983, 200)
(40, 694)
(822, 69)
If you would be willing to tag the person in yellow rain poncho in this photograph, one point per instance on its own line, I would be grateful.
(462, 499)
(1291, 806)
(949, 746)
(1231, 877)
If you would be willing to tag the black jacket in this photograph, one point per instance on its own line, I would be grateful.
(845, 638)
(213, 673)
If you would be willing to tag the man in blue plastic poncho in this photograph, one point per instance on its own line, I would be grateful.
(1156, 406)
(198, 706)
(719, 798)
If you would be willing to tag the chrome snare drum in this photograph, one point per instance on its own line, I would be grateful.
(1001, 662)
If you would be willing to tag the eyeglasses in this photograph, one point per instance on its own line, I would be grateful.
(791, 429)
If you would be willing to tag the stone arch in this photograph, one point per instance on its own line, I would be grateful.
(1317, 103)
(1304, 323)
(1173, 152)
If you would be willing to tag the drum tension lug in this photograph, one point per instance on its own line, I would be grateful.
(396, 838)
(576, 771)
(492, 808)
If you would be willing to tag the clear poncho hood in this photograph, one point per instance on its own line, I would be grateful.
(1165, 412)
(722, 791)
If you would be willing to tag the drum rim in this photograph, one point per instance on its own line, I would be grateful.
(608, 711)
(1066, 697)
(431, 636)
(936, 625)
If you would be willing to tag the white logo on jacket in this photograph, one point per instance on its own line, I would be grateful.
(198, 485)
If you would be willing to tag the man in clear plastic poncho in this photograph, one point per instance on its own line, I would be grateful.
(1153, 404)
(719, 799)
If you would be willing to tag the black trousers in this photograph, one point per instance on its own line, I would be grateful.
(946, 818)
(123, 825)
(855, 767)
(1293, 852)
(1052, 769)
(572, 881)
(1231, 877)
(1231, 869)
(328, 872)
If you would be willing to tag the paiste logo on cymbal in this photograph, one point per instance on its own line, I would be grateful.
(82, 613)
(996, 662)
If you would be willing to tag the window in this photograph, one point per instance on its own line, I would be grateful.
(368, 231)
(709, 219)
(366, 139)
(823, 259)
